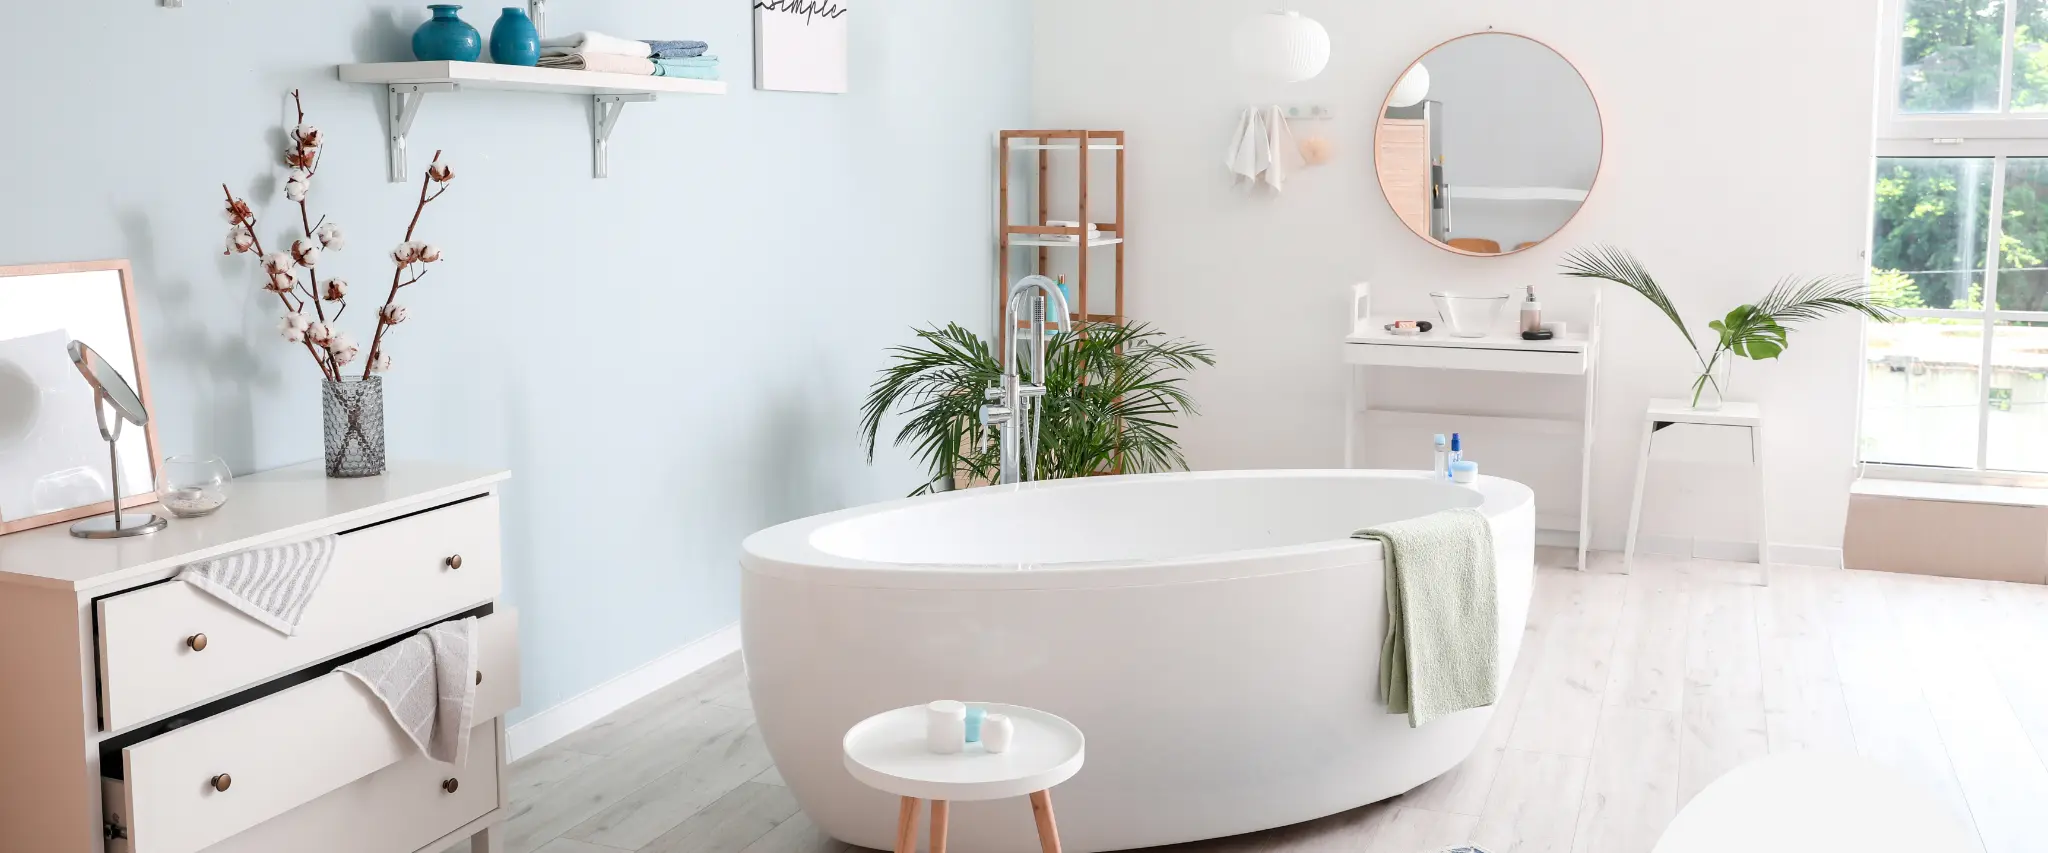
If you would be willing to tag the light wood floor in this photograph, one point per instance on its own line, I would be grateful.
(1631, 694)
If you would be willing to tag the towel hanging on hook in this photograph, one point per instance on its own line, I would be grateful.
(1263, 149)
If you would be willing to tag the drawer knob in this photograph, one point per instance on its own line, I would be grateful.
(455, 561)
(479, 676)
(221, 782)
(196, 642)
(450, 784)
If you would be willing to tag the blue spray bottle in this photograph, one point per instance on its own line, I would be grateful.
(1457, 453)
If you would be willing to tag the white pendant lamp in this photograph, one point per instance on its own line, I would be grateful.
(1414, 86)
(1282, 46)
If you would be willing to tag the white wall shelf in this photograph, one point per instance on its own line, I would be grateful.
(408, 83)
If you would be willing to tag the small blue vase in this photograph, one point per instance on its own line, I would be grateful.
(446, 37)
(514, 41)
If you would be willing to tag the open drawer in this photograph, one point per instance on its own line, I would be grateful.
(171, 646)
(192, 787)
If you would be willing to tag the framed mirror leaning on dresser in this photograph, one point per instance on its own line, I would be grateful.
(1488, 144)
(53, 462)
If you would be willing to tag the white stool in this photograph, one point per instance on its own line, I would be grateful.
(1664, 413)
(887, 752)
(1800, 802)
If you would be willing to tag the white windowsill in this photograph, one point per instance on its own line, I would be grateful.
(1950, 492)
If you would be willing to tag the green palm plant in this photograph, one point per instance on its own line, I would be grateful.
(1760, 330)
(1112, 392)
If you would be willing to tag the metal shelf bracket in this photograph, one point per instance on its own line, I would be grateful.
(605, 111)
(404, 103)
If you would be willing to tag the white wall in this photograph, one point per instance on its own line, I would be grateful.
(667, 360)
(1738, 151)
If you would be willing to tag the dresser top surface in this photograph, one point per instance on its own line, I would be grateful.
(271, 505)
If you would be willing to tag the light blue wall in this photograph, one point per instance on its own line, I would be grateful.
(668, 359)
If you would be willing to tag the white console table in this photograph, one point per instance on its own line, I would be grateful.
(1502, 351)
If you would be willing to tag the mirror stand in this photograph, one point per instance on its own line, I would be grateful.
(114, 525)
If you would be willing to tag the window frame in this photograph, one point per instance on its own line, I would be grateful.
(1998, 137)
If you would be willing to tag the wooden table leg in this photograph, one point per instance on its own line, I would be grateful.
(906, 826)
(1048, 831)
(938, 826)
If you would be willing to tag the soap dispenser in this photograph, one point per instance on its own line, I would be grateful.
(1532, 314)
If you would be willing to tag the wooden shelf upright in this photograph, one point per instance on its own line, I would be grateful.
(1047, 239)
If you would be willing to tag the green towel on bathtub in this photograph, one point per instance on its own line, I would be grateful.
(1442, 651)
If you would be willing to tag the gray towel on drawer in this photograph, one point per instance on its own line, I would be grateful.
(272, 584)
(428, 680)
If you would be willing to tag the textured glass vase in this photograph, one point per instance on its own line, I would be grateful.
(445, 36)
(353, 412)
(514, 41)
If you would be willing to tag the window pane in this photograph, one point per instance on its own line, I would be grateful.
(1950, 59)
(1920, 393)
(2023, 246)
(2030, 57)
(2019, 397)
(1928, 247)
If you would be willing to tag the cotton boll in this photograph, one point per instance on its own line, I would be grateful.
(429, 253)
(319, 333)
(336, 290)
(281, 282)
(394, 313)
(239, 240)
(406, 252)
(277, 262)
(296, 190)
(440, 172)
(292, 327)
(341, 348)
(307, 136)
(382, 363)
(306, 253)
(329, 235)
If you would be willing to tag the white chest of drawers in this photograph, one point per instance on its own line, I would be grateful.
(141, 715)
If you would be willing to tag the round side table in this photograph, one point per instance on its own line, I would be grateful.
(887, 752)
(1804, 801)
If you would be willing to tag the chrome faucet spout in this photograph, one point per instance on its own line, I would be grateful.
(1016, 431)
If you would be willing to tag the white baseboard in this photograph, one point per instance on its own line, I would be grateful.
(1738, 552)
(555, 723)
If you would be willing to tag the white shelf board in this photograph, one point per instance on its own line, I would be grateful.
(1062, 244)
(1517, 194)
(1377, 334)
(520, 78)
(1037, 146)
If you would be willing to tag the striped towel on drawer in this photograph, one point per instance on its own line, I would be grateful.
(428, 680)
(272, 584)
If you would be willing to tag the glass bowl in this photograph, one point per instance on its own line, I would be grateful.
(193, 486)
(1469, 315)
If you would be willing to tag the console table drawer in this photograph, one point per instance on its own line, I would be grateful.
(1452, 357)
(384, 580)
(280, 753)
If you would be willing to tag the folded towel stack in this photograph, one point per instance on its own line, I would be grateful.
(1093, 232)
(590, 51)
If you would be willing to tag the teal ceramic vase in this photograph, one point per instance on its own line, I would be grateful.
(514, 41)
(445, 37)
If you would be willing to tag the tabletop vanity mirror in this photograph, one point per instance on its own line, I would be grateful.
(1488, 144)
(53, 461)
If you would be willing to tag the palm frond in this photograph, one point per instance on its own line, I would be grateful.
(1610, 263)
(1797, 301)
(1111, 394)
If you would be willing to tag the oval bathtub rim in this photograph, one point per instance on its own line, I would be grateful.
(785, 550)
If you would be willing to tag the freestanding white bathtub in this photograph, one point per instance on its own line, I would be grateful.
(1216, 637)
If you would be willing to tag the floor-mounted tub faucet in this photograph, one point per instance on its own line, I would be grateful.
(1012, 409)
